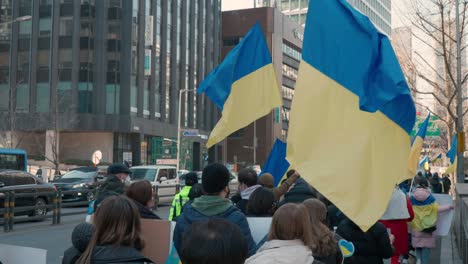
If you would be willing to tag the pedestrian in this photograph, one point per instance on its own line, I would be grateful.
(247, 185)
(195, 192)
(182, 197)
(371, 247)
(117, 235)
(289, 239)
(262, 203)
(213, 204)
(436, 186)
(141, 192)
(446, 184)
(424, 223)
(267, 180)
(115, 184)
(213, 241)
(324, 242)
(399, 212)
(81, 236)
(300, 192)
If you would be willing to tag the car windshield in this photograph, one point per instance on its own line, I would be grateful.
(143, 174)
(76, 174)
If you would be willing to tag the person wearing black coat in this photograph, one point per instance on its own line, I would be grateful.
(299, 193)
(371, 247)
(81, 236)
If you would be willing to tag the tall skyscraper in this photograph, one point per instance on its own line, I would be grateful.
(107, 75)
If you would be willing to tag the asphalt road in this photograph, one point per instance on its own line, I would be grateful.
(55, 239)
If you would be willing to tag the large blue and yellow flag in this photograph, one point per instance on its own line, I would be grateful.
(243, 86)
(352, 112)
(424, 164)
(276, 164)
(452, 155)
(416, 147)
(437, 160)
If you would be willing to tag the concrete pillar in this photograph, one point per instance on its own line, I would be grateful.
(52, 143)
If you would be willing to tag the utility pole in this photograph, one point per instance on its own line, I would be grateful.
(460, 129)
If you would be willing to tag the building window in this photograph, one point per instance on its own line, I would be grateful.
(43, 98)
(22, 98)
(85, 98)
(112, 98)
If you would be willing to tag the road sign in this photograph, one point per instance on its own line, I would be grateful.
(433, 128)
(191, 133)
(96, 157)
(166, 162)
(205, 137)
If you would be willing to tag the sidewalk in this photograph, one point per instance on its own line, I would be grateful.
(446, 251)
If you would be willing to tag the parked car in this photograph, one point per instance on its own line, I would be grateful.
(158, 175)
(22, 182)
(84, 180)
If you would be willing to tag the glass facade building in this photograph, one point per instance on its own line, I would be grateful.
(378, 11)
(113, 66)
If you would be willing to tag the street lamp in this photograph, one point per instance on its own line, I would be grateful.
(460, 99)
(178, 122)
(18, 19)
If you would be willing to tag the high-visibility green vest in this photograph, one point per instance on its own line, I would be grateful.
(179, 201)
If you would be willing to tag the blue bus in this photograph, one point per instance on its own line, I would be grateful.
(13, 159)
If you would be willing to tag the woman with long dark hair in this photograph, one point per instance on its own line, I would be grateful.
(117, 234)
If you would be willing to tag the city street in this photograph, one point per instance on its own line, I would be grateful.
(55, 239)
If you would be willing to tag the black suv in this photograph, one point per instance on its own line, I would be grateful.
(82, 180)
(21, 182)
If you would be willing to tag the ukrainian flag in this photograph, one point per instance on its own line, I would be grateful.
(352, 112)
(424, 164)
(276, 164)
(416, 147)
(243, 86)
(452, 156)
(438, 159)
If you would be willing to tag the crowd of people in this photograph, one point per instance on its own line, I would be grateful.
(211, 228)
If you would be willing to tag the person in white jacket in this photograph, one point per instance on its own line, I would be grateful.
(289, 238)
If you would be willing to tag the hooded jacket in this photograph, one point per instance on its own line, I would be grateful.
(426, 210)
(282, 252)
(245, 197)
(206, 207)
(110, 255)
(178, 203)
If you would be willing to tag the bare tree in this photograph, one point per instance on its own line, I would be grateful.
(433, 25)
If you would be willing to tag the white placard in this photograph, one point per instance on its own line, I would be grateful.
(259, 227)
(16, 255)
(445, 219)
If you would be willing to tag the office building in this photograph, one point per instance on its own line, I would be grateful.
(284, 39)
(106, 74)
(378, 11)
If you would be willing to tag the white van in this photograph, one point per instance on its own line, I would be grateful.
(158, 175)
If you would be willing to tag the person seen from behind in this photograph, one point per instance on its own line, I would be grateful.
(213, 204)
(446, 184)
(213, 241)
(81, 236)
(117, 234)
(436, 184)
(371, 247)
(267, 180)
(141, 192)
(289, 239)
(262, 203)
(399, 212)
(324, 242)
(182, 197)
(247, 185)
(424, 223)
(300, 192)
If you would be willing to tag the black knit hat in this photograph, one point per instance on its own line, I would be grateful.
(82, 235)
(191, 178)
(215, 178)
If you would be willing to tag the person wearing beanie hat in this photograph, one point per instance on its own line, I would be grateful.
(81, 236)
(213, 204)
(268, 181)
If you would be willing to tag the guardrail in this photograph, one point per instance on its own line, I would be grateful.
(461, 220)
(55, 205)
